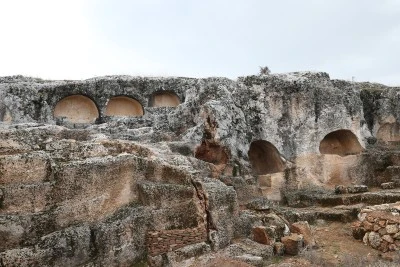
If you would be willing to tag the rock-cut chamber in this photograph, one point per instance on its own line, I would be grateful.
(5, 115)
(164, 99)
(265, 158)
(341, 142)
(77, 109)
(389, 132)
(212, 153)
(124, 106)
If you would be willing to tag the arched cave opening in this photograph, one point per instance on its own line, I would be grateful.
(340, 142)
(124, 106)
(212, 153)
(265, 158)
(389, 132)
(164, 99)
(77, 109)
(5, 114)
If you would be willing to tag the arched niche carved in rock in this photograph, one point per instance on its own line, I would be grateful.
(389, 132)
(340, 142)
(164, 99)
(124, 106)
(212, 153)
(77, 109)
(265, 158)
(5, 114)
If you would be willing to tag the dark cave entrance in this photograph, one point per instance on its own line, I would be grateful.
(265, 158)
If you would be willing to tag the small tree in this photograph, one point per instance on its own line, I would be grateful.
(264, 70)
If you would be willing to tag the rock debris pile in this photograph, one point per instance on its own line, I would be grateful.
(378, 227)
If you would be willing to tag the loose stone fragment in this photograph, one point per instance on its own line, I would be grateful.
(374, 239)
(279, 248)
(370, 219)
(357, 189)
(392, 228)
(261, 236)
(384, 246)
(366, 238)
(387, 238)
(376, 228)
(389, 185)
(304, 229)
(368, 226)
(382, 231)
(293, 244)
(340, 189)
(396, 235)
(382, 223)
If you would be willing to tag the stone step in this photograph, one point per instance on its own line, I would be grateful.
(339, 213)
(248, 251)
(307, 199)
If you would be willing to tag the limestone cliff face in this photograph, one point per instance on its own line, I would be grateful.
(94, 172)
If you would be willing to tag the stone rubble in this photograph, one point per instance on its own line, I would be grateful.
(293, 244)
(378, 227)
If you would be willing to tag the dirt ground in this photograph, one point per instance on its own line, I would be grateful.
(337, 247)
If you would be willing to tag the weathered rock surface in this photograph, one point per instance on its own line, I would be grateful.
(92, 171)
(303, 228)
(389, 185)
(261, 236)
(293, 243)
(249, 251)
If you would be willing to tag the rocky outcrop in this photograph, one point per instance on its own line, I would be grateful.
(116, 170)
(71, 201)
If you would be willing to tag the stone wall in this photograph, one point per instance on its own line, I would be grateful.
(378, 227)
(159, 242)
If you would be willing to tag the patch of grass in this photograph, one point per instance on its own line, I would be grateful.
(274, 260)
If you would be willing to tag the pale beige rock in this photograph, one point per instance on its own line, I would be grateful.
(392, 228)
(387, 238)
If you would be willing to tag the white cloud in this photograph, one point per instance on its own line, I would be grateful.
(53, 39)
(84, 38)
(43, 38)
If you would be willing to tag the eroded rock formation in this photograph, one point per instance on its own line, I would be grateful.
(117, 170)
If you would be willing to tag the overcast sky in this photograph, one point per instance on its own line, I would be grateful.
(78, 39)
